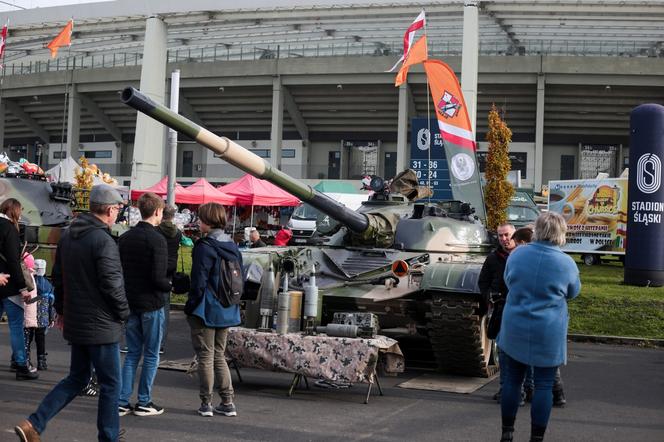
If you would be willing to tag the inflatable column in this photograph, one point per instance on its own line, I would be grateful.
(644, 260)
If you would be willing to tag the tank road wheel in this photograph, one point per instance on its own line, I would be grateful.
(458, 336)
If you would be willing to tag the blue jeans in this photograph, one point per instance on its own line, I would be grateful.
(106, 361)
(144, 332)
(167, 318)
(515, 373)
(15, 317)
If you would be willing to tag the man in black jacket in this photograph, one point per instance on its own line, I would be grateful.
(144, 257)
(491, 280)
(173, 237)
(90, 298)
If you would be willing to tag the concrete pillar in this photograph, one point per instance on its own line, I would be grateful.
(276, 134)
(539, 134)
(469, 59)
(73, 123)
(402, 130)
(2, 123)
(150, 139)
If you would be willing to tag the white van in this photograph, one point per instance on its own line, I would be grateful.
(303, 219)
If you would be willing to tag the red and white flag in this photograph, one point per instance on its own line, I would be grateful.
(408, 37)
(3, 40)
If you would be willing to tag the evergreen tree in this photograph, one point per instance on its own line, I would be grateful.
(498, 191)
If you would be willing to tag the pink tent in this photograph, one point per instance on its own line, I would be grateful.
(250, 191)
(161, 189)
(202, 192)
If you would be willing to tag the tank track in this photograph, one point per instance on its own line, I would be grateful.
(456, 333)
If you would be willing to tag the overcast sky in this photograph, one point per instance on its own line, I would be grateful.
(6, 5)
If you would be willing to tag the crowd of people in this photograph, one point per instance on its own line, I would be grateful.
(105, 289)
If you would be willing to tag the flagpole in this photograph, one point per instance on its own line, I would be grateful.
(431, 136)
(2, 78)
(66, 106)
(64, 116)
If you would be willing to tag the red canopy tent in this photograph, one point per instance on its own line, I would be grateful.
(161, 189)
(202, 192)
(250, 191)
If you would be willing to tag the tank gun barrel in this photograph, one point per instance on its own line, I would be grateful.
(245, 160)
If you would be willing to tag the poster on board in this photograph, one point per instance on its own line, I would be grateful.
(595, 212)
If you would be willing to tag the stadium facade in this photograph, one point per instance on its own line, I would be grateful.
(306, 86)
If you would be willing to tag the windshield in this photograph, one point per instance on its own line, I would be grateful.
(521, 213)
(305, 211)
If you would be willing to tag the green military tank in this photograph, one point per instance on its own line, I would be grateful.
(46, 210)
(414, 264)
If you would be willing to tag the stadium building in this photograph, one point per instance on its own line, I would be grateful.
(305, 86)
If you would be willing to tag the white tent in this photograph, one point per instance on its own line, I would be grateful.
(66, 171)
(63, 171)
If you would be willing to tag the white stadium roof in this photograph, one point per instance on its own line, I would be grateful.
(511, 27)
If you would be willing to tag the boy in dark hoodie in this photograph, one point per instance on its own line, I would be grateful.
(173, 237)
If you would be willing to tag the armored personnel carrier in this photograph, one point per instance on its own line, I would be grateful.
(413, 264)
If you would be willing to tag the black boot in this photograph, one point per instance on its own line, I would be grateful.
(559, 398)
(537, 433)
(508, 434)
(41, 363)
(24, 373)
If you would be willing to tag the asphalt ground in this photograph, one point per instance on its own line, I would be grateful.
(614, 393)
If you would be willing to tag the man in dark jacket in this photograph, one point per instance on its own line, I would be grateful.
(491, 281)
(173, 237)
(144, 257)
(90, 297)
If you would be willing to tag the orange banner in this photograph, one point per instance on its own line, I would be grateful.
(451, 110)
(62, 39)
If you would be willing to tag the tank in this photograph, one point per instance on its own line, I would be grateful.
(46, 210)
(413, 264)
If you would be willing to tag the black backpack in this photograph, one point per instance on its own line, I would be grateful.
(231, 283)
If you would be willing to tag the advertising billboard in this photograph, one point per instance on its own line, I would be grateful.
(595, 212)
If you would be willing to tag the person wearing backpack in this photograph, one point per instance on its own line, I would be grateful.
(212, 306)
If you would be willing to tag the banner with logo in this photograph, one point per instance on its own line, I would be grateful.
(644, 262)
(456, 131)
(595, 212)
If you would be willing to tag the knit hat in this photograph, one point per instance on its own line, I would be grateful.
(29, 261)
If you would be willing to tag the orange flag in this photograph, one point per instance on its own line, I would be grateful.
(417, 54)
(62, 39)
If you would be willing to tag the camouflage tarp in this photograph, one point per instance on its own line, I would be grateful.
(318, 357)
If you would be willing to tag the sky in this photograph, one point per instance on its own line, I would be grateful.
(6, 5)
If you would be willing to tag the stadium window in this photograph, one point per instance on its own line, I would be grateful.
(263, 153)
(288, 153)
(98, 154)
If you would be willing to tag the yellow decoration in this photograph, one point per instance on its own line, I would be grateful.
(497, 191)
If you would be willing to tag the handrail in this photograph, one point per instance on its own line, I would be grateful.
(219, 53)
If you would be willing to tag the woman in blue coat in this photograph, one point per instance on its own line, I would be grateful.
(540, 279)
(208, 319)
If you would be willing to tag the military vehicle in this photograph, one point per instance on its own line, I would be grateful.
(415, 265)
(46, 209)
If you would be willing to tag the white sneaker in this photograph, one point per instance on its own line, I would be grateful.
(150, 409)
